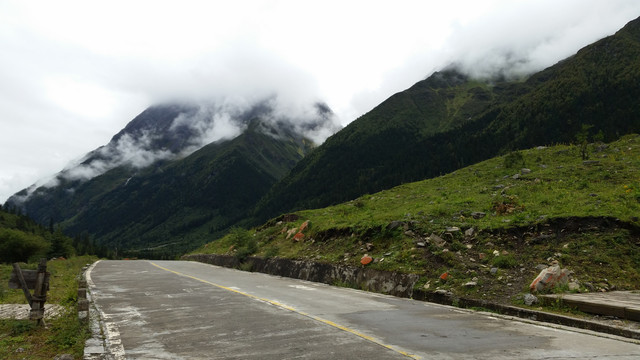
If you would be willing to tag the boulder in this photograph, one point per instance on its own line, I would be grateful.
(530, 299)
(549, 278)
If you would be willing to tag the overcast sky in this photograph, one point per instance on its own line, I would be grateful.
(73, 73)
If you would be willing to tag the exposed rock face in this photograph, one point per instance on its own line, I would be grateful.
(396, 284)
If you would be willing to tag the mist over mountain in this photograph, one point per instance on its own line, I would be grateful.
(182, 173)
(178, 166)
(452, 119)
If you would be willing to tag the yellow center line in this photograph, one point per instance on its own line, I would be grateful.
(286, 307)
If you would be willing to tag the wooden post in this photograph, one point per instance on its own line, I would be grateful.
(23, 283)
(38, 280)
(39, 294)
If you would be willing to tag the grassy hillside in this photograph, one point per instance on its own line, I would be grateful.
(529, 207)
(449, 121)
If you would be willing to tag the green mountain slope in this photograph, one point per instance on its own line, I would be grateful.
(510, 213)
(171, 207)
(448, 121)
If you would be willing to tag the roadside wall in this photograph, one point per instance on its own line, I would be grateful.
(397, 284)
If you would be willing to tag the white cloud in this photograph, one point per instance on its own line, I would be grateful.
(73, 73)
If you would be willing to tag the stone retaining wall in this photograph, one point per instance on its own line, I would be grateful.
(397, 284)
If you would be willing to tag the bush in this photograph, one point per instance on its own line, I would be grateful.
(18, 246)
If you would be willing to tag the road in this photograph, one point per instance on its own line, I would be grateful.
(189, 310)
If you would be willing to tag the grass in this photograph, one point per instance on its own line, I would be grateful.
(65, 334)
(537, 205)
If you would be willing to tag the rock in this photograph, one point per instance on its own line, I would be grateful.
(369, 246)
(443, 292)
(494, 270)
(516, 177)
(496, 253)
(549, 278)
(498, 187)
(541, 267)
(63, 357)
(470, 284)
(589, 286)
(469, 246)
(387, 254)
(478, 214)
(366, 260)
(574, 286)
(394, 225)
(453, 229)
(421, 244)
(304, 225)
(540, 239)
(437, 240)
(530, 299)
(469, 232)
(525, 171)
(409, 233)
(541, 147)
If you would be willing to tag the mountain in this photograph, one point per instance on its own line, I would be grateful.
(150, 189)
(449, 121)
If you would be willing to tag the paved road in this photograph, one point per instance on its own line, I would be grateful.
(189, 310)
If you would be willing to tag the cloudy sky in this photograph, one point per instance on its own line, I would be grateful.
(73, 73)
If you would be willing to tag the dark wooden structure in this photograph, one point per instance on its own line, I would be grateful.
(36, 280)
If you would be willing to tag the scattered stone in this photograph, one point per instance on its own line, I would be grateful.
(541, 147)
(421, 244)
(20, 350)
(574, 286)
(369, 246)
(304, 225)
(427, 285)
(366, 260)
(437, 240)
(494, 270)
(481, 256)
(496, 253)
(541, 267)
(63, 357)
(387, 254)
(498, 187)
(504, 252)
(470, 284)
(530, 299)
(541, 238)
(489, 244)
(589, 286)
(469, 232)
(525, 171)
(478, 214)
(516, 177)
(409, 233)
(469, 246)
(394, 225)
(443, 292)
(452, 229)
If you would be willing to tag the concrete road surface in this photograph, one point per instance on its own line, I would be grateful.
(189, 310)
